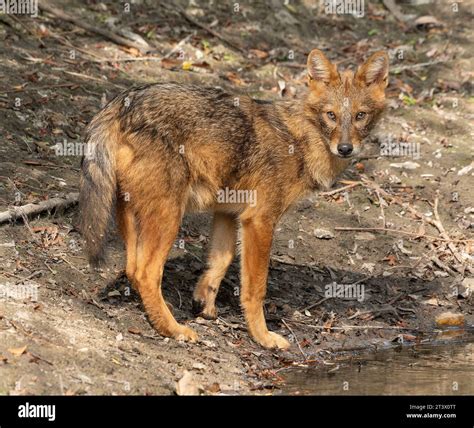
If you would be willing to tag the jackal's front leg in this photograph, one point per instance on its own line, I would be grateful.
(256, 245)
(223, 239)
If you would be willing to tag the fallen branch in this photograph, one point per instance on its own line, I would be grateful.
(37, 88)
(45, 7)
(179, 45)
(437, 223)
(313, 305)
(290, 64)
(296, 339)
(417, 66)
(439, 263)
(382, 211)
(373, 313)
(367, 157)
(31, 209)
(146, 58)
(341, 189)
(353, 327)
(208, 30)
(403, 232)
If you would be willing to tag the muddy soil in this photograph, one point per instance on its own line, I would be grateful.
(85, 332)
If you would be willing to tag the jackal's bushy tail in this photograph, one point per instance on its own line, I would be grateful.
(98, 186)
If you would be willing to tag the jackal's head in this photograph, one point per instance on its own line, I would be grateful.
(345, 105)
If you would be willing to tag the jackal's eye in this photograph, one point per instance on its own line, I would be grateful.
(361, 115)
(331, 115)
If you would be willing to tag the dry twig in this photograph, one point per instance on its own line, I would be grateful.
(45, 7)
(296, 339)
(31, 209)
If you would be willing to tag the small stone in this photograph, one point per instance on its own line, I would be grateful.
(199, 366)
(323, 234)
(369, 267)
(297, 315)
(466, 170)
(467, 287)
(468, 283)
(440, 273)
(405, 165)
(449, 319)
(433, 302)
(187, 385)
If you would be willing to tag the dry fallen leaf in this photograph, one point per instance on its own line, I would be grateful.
(130, 50)
(187, 65)
(328, 324)
(234, 78)
(391, 259)
(214, 388)
(169, 63)
(17, 351)
(258, 53)
(134, 330)
(408, 337)
(202, 64)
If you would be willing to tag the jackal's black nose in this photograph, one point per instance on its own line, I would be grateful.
(345, 149)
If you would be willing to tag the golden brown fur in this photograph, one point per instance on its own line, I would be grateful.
(161, 150)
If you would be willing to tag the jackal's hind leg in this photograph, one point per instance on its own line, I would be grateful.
(157, 234)
(128, 229)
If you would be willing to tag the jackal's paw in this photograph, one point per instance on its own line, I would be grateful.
(273, 340)
(185, 333)
(200, 310)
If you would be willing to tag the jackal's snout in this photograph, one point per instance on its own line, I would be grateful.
(345, 149)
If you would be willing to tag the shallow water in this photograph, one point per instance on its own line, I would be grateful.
(444, 366)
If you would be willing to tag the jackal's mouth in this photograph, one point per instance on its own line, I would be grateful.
(344, 156)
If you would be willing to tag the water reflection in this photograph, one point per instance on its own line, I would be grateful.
(446, 369)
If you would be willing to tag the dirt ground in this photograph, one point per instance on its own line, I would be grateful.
(86, 333)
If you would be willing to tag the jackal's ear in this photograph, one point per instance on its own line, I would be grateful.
(320, 69)
(374, 70)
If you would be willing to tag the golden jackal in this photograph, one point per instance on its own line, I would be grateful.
(160, 150)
